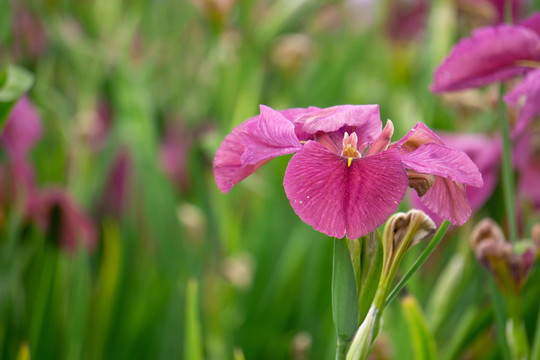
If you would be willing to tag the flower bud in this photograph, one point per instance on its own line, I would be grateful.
(510, 264)
(365, 336)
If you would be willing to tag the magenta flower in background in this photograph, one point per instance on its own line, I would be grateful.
(527, 162)
(174, 154)
(492, 54)
(527, 95)
(114, 197)
(343, 179)
(59, 215)
(22, 130)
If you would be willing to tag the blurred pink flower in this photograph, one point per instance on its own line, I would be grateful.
(115, 193)
(407, 19)
(22, 130)
(174, 154)
(525, 95)
(29, 35)
(492, 54)
(527, 163)
(343, 179)
(60, 217)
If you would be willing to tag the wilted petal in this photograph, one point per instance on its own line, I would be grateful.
(443, 161)
(490, 55)
(251, 145)
(527, 95)
(365, 120)
(23, 128)
(339, 200)
(448, 200)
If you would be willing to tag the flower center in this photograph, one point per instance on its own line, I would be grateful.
(349, 147)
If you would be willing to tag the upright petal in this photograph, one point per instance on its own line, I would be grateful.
(339, 200)
(419, 135)
(440, 160)
(365, 120)
(527, 95)
(382, 141)
(491, 54)
(252, 144)
(448, 200)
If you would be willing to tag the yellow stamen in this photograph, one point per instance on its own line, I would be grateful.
(528, 63)
(349, 161)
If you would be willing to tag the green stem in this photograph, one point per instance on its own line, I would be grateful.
(425, 254)
(516, 334)
(535, 354)
(499, 310)
(507, 168)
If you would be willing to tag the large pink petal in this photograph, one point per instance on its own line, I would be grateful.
(488, 56)
(443, 161)
(448, 200)
(365, 120)
(339, 200)
(251, 145)
(529, 91)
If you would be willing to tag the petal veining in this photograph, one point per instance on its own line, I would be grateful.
(339, 200)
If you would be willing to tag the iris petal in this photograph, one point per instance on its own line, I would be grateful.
(488, 56)
(339, 200)
(529, 90)
(448, 200)
(443, 161)
(251, 145)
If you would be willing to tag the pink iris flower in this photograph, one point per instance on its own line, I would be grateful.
(493, 54)
(345, 177)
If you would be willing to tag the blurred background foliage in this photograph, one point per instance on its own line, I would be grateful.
(135, 97)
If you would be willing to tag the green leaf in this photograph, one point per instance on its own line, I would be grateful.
(370, 274)
(193, 341)
(344, 295)
(423, 343)
(14, 82)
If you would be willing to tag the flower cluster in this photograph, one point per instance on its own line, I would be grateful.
(346, 176)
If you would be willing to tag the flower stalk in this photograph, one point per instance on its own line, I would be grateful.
(507, 166)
